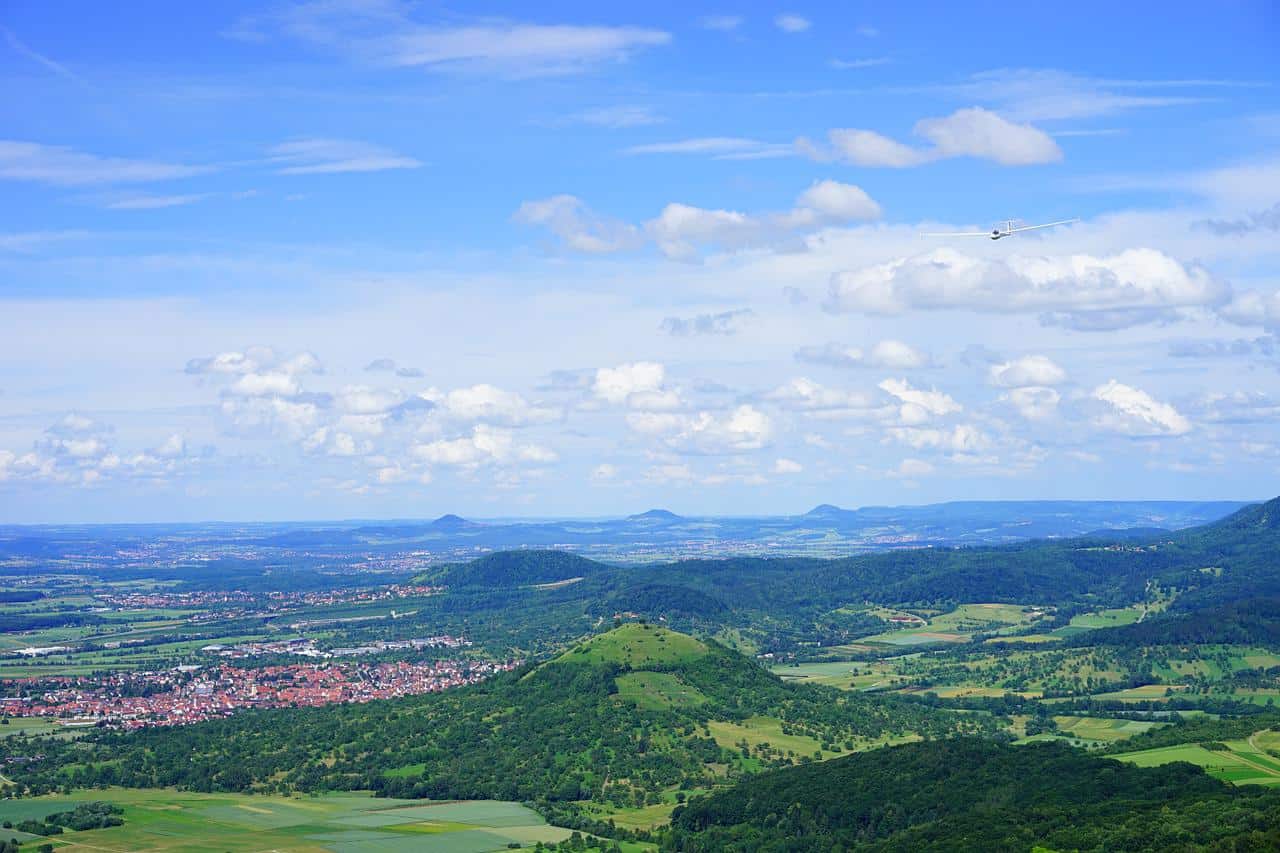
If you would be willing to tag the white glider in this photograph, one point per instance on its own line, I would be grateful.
(1004, 229)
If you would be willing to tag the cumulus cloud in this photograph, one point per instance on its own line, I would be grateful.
(1027, 371)
(1033, 402)
(911, 468)
(917, 406)
(580, 228)
(787, 466)
(1128, 284)
(79, 451)
(807, 395)
(617, 384)
(888, 354)
(1135, 412)
(484, 446)
(962, 438)
(489, 404)
(1253, 308)
(742, 429)
(723, 323)
(681, 230)
(972, 132)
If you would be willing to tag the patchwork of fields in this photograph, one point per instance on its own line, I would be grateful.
(1251, 761)
(181, 822)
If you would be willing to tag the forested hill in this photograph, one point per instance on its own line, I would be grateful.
(517, 568)
(557, 596)
(966, 794)
(629, 713)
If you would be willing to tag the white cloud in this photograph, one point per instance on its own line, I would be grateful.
(616, 384)
(333, 156)
(723, 323)
(719, 147)
(865, 148)
(917, 405)
(1026, 371)
(742, 429)
(621, 116)
(888, 354)
(972, 132)
(787, 466)
(680, 230)
(1134, 412)
(604, 472)
(792, 23)
(578, 226)
(156, 202)
(1126, 287)
(805, 394)
(911, 468)
(980, 133)
(489, 404)
(50, 164)
(832, 201)
(1033, 402)
(485, 445)
(722, 23)
(962, 438)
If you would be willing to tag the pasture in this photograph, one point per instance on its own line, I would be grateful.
(1243, 762)
(183, 822)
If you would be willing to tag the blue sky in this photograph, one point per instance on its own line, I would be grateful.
(358, 258)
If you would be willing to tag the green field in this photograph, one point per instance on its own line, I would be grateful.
(956, 626)
(1244, 762)
(181, 822)
(654, 691)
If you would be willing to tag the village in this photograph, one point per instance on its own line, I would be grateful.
(191, 694)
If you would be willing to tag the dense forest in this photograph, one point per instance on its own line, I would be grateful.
(966, 794)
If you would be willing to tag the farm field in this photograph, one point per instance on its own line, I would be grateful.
(1091, 731)
(956, 626)
(1242, 762)
(181, 822)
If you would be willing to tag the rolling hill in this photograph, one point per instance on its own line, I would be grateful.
(621, 718)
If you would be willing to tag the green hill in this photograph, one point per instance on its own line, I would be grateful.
(625, 719)
(637, 646)
(518, 568)
(966, 794)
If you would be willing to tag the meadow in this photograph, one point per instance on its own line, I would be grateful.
(184, 822)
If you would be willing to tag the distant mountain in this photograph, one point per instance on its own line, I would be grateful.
(452, 522)
(829, 512)
(661, 515)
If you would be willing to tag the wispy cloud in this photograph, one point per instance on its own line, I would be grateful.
(50, 164)
(718, 147)
(855, 64)
(722, 23)
(155, 202)
(791, 23)
(22, 48)
(334, 156)
(620, 116)
(1035, 94)
(386, 34)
